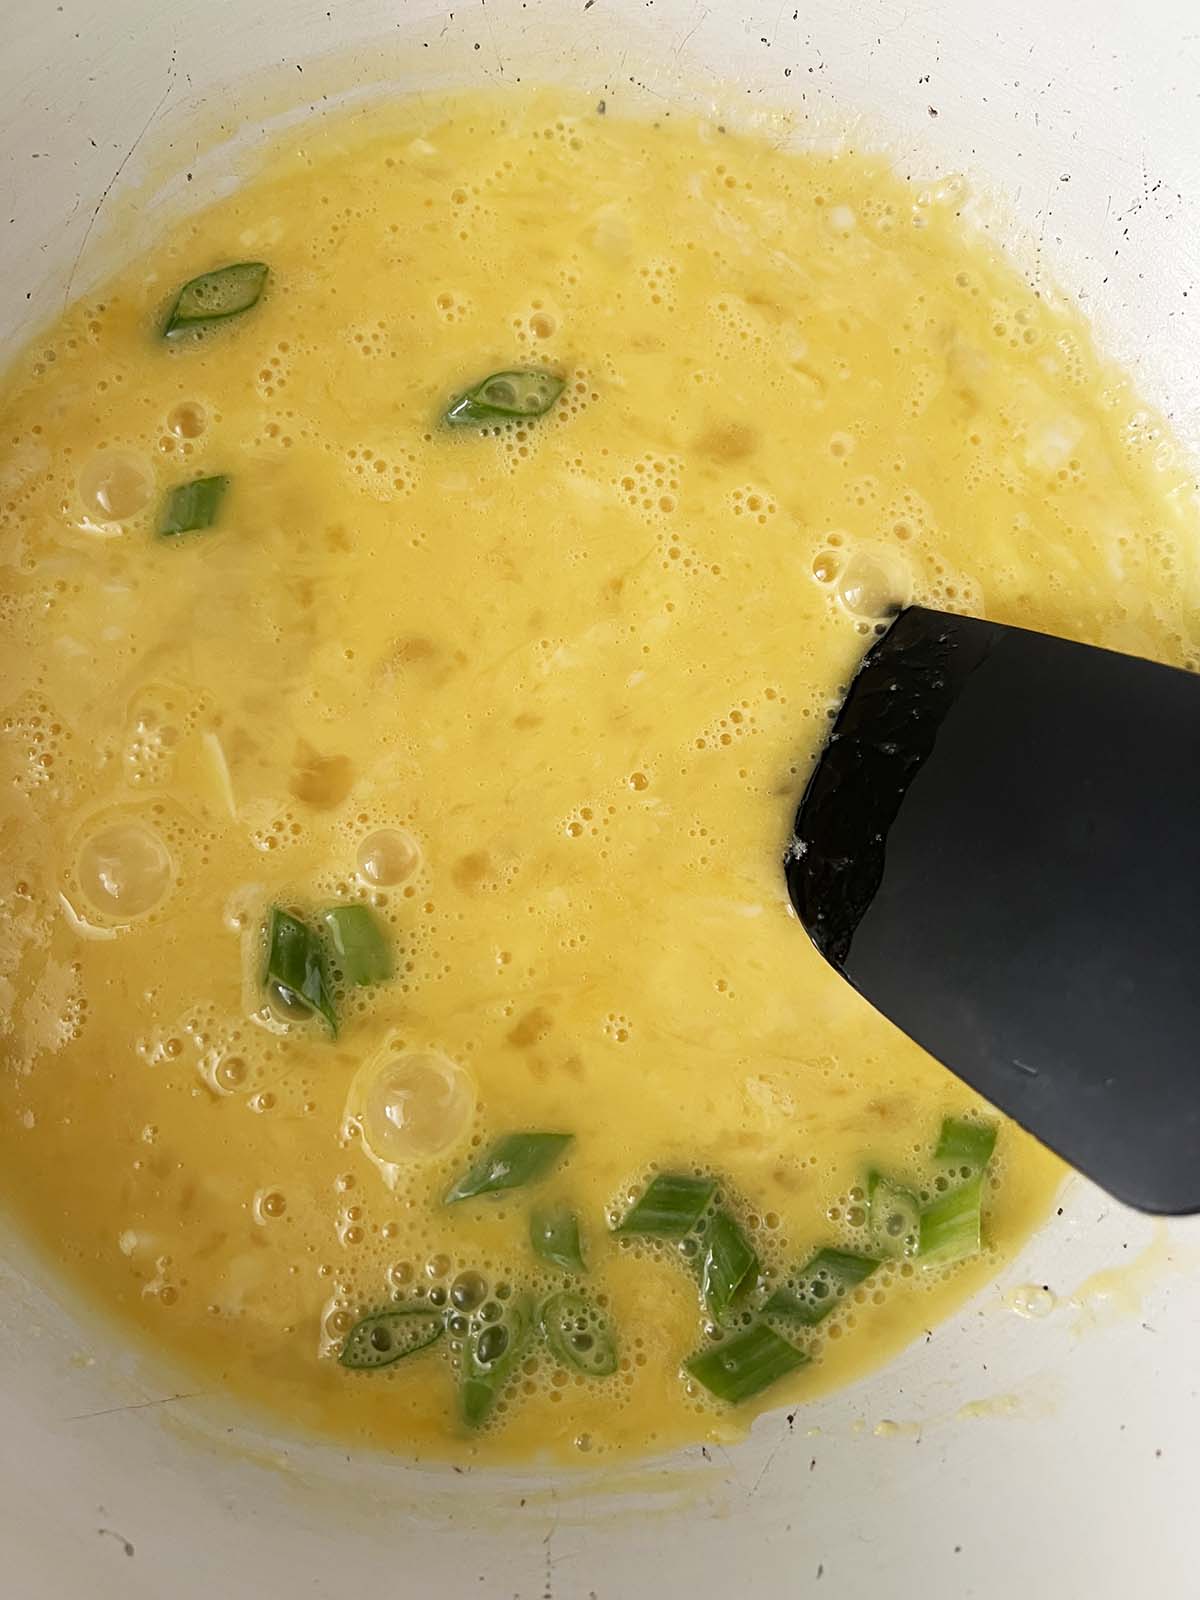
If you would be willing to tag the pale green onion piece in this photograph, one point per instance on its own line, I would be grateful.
(359, 946)
(491, 1352)
(554, 1235)
(727, 1264)
(192, 506)
(296, 966)
(670, 1206)
(579, 1335)
(389, 1335)
(739, 1368)
(809, 1295)
(951, 1228)
(216, 296)
(514, 1160)
(505, 396)
(966, 1144)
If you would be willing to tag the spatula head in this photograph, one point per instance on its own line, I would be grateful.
(1000, 849)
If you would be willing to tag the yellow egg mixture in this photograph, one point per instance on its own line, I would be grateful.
(543, 696)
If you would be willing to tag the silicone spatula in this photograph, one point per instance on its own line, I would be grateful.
(1000, 849)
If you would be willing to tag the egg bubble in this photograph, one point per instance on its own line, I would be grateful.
(873, 584)
(115, 485)
(409, 1105)
(124, 870)
(388, 856)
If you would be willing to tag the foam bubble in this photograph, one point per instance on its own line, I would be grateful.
(124, 870)
(873, 584)
(115, 485)
(410, 1105)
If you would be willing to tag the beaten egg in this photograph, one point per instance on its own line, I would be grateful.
(405, 1027)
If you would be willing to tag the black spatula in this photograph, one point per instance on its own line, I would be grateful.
(1000, 849)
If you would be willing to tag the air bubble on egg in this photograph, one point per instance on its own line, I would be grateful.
(388, 856)
(826, 565)
(124, 870)
(409, 1105)
(115, 485)
(188, 420)
(874, 584)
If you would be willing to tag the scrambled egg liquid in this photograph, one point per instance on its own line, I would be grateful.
(544, 696)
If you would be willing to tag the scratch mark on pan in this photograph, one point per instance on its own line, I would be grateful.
(492, 38)
(138, 1405)
(126, 1544)
(701, 15)
(125, 159)
(766, 1467)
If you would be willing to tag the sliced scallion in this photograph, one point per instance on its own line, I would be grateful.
(951, 1228)
(389, 1335)
(669, 1207)
(359, 947)
(554, 1235)
(509, 1163)
(809, 1295)
(505, 395)
(895, 1217)
(296, 966)
(727, 1264)
(215, 296)
(741, 1367)
(491, 1352)
(579, 1335)
(966, 1144)
(192, 506)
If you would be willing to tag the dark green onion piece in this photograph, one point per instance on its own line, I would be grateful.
(505, 395)
(296, 965)
(192, 506)
(491, 1352)
(358, 944)
(951, 1228)
(670, 1206)
(514, 1160)
(385, 1336)
(966, 1144)
(214, 296)
(579, 1335)
(741, 1367)
(728, 1262)
(895, 1217)
(554, 1235)
(809, 1295)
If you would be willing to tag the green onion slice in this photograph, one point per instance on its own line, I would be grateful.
(492, 1351)
(296, 966)
(385, 1336)
(951, 1228)
(741, 1367)
(727, 1264)
(966, 1144)
(514, 1160)
(554, 1235)
(669, 1207)
(359, 946)
(192, 506)
(214, 296)
(505, 395)
(809, 1295)
(579, 1335)
(895, 1217)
